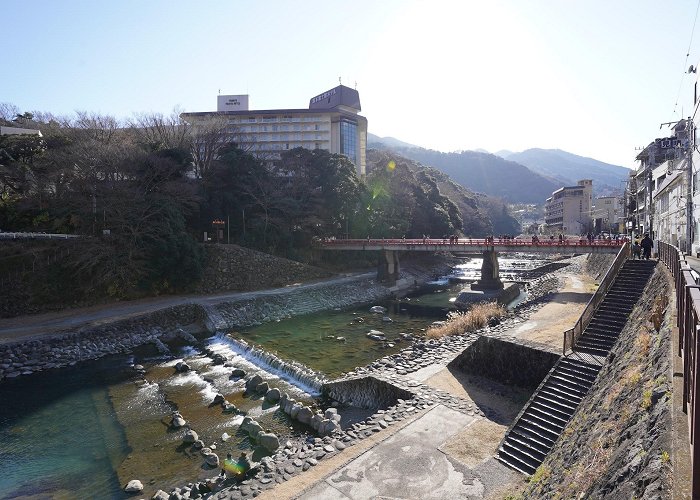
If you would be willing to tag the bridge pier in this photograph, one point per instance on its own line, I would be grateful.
(388, 268)
(489, 273)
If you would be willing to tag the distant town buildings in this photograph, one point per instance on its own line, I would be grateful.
(568, 210)
(332, 122)
(607, 215)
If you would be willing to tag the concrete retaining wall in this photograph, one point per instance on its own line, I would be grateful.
(366, 392)
(508, 362)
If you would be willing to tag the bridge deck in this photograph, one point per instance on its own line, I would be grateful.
(474, 245)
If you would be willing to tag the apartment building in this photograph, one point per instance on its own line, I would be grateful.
(568, 210)
(607, 214)
(332, 122)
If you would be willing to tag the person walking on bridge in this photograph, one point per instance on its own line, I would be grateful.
(647, 244)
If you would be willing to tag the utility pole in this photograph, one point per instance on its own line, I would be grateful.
(690, 147)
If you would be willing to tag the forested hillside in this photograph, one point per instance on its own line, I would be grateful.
(486, 173)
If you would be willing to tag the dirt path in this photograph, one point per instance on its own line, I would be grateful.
(547, 326)
(28, 327)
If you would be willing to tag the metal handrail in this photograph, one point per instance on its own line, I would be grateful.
(688, 322)
(572, 335)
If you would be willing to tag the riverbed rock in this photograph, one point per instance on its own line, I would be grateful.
(160, 495)
(273, 395)
(269, 441)
(211, 459)
(253, 382)
(305, 415)
(182, 367)
(376, 335)
(218, 359)
(177, 421)
(190, 436)
(238, 373)
(262, 388)
(377, 309)
(295, 410)
(387, 319)
(134, 486)
(218, 399)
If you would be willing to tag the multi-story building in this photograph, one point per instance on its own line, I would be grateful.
(669, 203)
(568, 210)
(607, 214)
(332, 122)
(643, 181)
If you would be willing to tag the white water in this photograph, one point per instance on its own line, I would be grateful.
(293, 372)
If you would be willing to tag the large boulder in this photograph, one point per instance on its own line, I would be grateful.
(269, 441)
(316, 421)
(190, 436)
(182, 367)
(211, 459)
(273, 395)
(253, 382)
(262, 388)
(305, 415)
(327, 427)
(134, 486)
(177, 421)
(295, 410)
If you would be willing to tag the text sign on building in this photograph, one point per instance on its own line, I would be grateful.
(323, 96)
(232, 102)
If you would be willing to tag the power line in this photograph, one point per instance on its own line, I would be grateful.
(687, 55)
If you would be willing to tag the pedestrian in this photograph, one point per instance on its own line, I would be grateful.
(636, 250)
(647, 244)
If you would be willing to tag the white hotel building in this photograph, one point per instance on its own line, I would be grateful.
(568, 210)
(332, 122)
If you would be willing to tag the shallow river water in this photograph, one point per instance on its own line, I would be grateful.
(84, 432)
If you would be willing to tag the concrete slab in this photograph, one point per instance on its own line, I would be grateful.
(408, 465)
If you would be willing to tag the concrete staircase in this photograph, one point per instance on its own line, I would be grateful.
(552, 405)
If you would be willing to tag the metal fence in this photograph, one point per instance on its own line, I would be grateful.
(573, 334)
(688, 322)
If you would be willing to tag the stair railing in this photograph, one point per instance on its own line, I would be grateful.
(572, 335)
(688, 322)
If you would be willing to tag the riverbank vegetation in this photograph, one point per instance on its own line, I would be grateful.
(460, 322)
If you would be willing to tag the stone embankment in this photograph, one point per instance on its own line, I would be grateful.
(68, 348)
(235, 268)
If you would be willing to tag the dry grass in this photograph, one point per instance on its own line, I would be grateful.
(464, 322)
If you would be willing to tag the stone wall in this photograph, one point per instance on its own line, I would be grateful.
(509, 362)
(235, 268)
(366, 392)
(27, 357)
(618, 442)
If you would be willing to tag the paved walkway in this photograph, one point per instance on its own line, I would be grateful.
(35, 326)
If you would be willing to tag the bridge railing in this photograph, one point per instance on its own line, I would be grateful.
(573, 334)
(688, 322)
(466, 242)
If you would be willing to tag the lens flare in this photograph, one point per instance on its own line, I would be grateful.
(391, 166)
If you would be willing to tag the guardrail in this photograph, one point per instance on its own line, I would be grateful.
(37, 236)
(573, 334)
(688, 322)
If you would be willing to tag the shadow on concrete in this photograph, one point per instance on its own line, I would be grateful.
(572, 297)
(500, 403)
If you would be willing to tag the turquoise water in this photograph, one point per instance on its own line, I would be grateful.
(313, 339)
(58, 436)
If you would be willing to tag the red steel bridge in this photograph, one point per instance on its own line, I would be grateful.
(488, 248)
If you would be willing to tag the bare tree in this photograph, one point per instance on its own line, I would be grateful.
(209, 136)
(162, 132)
(8, 111)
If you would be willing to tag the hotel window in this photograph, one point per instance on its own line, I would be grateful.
(348, 139)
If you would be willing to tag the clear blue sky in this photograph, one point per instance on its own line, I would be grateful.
(593, 77)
